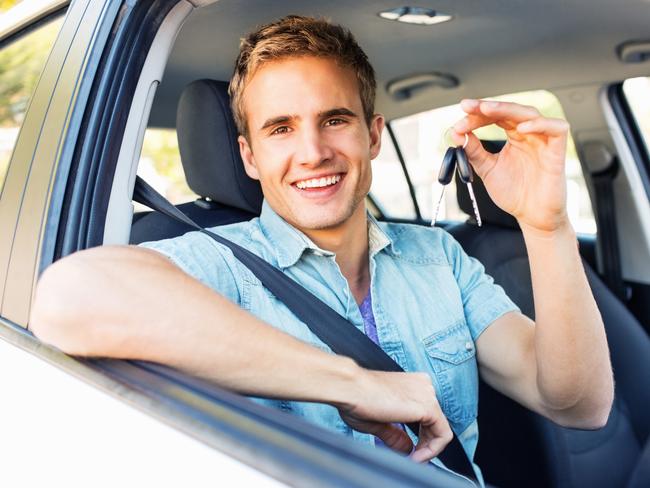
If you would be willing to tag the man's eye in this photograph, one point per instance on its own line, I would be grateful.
(283, 129)
(335, 122)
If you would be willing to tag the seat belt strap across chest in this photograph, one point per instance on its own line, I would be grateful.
(330, 327)
(607, 231)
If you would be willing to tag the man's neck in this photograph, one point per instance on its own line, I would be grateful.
(349, 242)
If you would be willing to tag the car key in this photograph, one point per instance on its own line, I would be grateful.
(467, 177)
(456, 158)
(445, 175)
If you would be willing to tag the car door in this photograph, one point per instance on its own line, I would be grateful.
(50, 419)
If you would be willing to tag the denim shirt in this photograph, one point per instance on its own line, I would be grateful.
(430, 302)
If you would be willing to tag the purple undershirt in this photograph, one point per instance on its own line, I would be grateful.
(369, 325)
(370, 328)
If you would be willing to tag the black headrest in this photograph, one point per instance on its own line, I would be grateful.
(207, 140)
(490, 213)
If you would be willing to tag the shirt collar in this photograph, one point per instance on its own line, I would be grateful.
(289, 243)
(378, 239)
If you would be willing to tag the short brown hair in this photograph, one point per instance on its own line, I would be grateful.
(293, 36)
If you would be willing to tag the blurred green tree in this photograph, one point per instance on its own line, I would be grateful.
(20, 67)
(21, 63)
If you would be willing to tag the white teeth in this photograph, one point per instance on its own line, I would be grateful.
(318, 182)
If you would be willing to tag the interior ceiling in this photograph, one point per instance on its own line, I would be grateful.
(491, 46)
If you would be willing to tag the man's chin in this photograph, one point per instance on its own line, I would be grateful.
(321, 219)
(319, 223)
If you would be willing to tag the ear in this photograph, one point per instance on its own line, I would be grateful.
(247, 157)
(376, 129)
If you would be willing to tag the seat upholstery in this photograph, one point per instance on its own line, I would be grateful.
(520, 448)
(207, 141)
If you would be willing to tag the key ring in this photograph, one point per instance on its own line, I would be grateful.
(446, 137)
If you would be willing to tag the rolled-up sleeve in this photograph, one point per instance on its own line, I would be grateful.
(483, 300)
(203, 259)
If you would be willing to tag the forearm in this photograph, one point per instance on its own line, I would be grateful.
(574, 375)
(134, 304)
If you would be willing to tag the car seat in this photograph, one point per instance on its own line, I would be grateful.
(207, 141)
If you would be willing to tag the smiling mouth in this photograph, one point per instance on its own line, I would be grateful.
(318, 183)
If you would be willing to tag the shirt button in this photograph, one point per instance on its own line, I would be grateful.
(469, 346)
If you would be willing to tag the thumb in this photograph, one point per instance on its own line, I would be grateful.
(394, 437)
(477, 155)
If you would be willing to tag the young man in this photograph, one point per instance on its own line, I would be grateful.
(303, 99)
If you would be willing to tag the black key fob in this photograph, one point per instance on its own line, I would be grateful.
(464, 168)
(447, 167)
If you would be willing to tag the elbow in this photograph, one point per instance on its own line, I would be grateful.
(597, 419)
(85, 304)
(589, 414)
(602, 406)
(54, 318)
(47, 319)
(600, 413)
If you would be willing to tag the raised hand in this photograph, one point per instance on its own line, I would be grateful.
(526, 179)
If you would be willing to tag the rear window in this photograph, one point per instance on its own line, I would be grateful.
(160, 166)
(637, 92)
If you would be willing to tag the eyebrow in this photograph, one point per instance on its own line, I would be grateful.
(283, 119)
(337, 111)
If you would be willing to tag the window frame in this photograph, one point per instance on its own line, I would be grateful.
(30, 20)
(12, 35)
(21, 170)
(631, 132)
(635, 166)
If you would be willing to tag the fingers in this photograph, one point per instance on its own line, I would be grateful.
(476, 121)
(489, 109)
(394, 437)
(400, 397)
(434, 437)
(509, 116)
(546, 126)
(478, 156)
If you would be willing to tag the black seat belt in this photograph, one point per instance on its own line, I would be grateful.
(607, 232)
(603, 167)
(330, 327)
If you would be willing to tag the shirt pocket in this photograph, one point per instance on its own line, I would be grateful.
(452, 354)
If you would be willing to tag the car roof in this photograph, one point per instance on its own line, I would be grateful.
(491, 47)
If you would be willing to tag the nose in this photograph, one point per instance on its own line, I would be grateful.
(313, 148)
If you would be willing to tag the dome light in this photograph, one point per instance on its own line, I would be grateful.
(415, 15)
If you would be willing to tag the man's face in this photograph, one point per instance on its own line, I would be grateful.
(308, 143)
